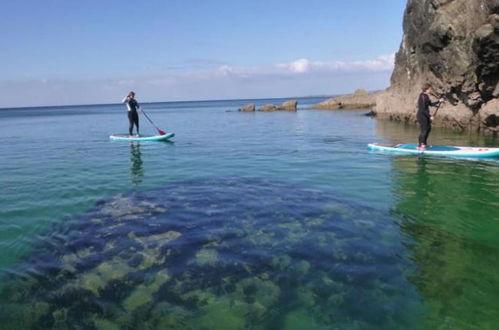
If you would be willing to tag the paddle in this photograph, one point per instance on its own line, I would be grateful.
(438, 106)
(159, 131)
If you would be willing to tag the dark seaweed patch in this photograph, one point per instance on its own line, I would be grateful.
(186, 256)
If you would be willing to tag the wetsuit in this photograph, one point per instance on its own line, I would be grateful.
(423, 116)
(133, 116)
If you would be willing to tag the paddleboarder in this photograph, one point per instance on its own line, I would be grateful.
(424, 116)
(133, 116)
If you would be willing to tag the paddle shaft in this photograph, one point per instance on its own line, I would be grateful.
(436, 110)
(438, 106)
(159, 131)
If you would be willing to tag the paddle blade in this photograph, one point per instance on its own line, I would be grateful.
(161, 132)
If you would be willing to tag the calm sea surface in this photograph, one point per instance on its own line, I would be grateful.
(276, 220)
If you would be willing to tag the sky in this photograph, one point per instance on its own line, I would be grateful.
(59, 52)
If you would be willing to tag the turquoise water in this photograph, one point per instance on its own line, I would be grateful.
(243, 221)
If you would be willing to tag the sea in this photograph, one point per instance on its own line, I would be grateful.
(261, 220)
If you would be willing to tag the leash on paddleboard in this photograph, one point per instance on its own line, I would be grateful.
(161, 132)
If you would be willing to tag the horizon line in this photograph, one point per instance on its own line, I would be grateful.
(177, 101)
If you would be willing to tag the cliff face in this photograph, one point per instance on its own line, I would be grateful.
(453, 45)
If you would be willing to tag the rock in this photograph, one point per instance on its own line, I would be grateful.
(301, 319)
(143, 294)
(361, 99)
(160, 239)
(453, 45)
(122, 208)
(360, 92)
(247, 108)
(268, 107)
(206, 257)
(96, 279)
(290, 105)
(489, 115)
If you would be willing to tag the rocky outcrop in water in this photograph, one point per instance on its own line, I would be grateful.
(290, 105)
(247, 108)
(360, 99)
(454, 45)
(268, 107)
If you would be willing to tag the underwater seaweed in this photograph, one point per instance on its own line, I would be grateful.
(221, 253)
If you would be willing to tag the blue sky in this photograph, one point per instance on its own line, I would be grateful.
(73, 52)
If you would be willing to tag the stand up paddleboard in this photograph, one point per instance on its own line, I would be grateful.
(126, 137)
(449, 151)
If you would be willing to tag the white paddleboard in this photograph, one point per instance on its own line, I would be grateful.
(126, 137)
(449, 151)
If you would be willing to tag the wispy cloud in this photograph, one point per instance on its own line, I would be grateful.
(212, 80)
(303, 65)
(307, 66)
(299, 66)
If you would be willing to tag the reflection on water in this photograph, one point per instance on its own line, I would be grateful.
(136, 170)
(223, 253)
(450, 212)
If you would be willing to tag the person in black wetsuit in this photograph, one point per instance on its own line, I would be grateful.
(424, 117)
(133, 116)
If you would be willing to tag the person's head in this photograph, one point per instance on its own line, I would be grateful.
(131, 94)
(426, 88)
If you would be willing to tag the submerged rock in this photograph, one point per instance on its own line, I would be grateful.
(206, 257)
(122, 208)
(219, 253)
(143, 294)
(301, 319)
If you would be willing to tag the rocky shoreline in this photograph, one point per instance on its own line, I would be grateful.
(360, 99)
(453, 45)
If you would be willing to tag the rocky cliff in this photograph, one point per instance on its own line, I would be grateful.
(454, 45)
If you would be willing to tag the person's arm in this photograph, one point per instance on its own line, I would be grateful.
(126, 101)
(438, 103)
